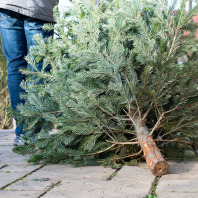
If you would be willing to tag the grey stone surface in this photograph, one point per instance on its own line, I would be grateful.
(61, 172)
(164, 194)
(6, 149)
(131, 173)
(7, 142)
(19, 168)
(95, 189)
(181, 181)
(129, 182)
(184, 167)
(90, 181)
(183, 176)
(7, 137)
(7, 131)
(6, 145)
(177, 185)
(7, 134)
(25, 185)
(8, 157)
(19, 194)
(7, 178)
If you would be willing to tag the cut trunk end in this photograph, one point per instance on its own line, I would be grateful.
(160, 168)
(152, 154)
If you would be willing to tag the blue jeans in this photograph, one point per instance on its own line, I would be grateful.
(17, 32)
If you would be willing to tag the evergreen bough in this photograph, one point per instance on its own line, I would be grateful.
(115, 84)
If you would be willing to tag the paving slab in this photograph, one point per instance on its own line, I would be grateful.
(185, 175)
(19, 168)
(13, 159)
(8, 157)
(177, 185)
(6, 149)
(129, 182)
(11, 173)
(95, 189)
(61, 172)
(131, 173)
(7, 131)
(7, 178)
(183, 167)
(19, 194)
(165, 194)
(6, 142)
(89, 181)
(24, 185)
(7, 134)
(6, 145)
(180, 181)
(7, 137)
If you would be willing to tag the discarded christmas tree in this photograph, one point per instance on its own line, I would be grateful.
(116, 90)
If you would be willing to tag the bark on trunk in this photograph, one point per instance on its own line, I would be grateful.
(152, 154)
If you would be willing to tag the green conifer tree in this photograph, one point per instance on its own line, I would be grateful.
(115, 82)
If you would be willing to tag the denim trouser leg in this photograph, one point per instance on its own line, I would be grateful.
(17, 32)
(33, 27)
(15, 48)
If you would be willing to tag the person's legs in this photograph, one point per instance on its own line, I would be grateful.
(15, 48)
(33, 27)
(17, 32)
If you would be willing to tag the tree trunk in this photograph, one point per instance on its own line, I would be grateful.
(152, 154)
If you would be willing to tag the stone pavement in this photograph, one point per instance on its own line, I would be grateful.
(20, 179)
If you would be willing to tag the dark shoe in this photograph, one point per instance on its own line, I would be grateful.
(18, 141)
